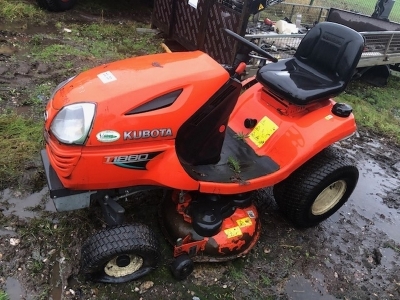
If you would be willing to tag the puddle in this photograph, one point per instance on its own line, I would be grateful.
(22, 206)
(388, 258)
(374, 184)
(30, 29)
(7, 232)
(15, 291)
(299, 288)
(359, 226)
(55, 282)
(353, 234)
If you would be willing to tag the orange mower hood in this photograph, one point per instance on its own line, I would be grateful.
(133, 81)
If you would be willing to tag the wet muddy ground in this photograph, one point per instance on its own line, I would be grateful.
(353, 255)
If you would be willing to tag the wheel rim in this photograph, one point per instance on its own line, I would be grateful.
(187, 269)
(329, 197)
(123, 265)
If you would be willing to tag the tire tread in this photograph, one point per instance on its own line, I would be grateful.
(112, 241)
(291, 194)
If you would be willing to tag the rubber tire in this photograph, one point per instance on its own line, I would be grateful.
(296, 194)
(56, 5)
(182, 266)
(100, 248)
(43, 4)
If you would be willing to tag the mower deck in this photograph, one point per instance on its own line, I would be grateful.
(237, 235)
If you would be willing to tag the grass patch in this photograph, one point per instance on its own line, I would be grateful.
(236, 270)
(362, 6)
(241, 136)
(116, 38)
(234, 164)
(101, 31)
(365, 7)
(3, 295)
(54, 53)
(38, 96)
(39, 228)
(391, 246)
(17, 11)
(35, 266)
(21, 140)
(96, 41)
(376, 108)
(259, 286)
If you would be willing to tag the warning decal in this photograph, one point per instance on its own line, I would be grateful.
(232, 232)
(244, 222)
(263, 131)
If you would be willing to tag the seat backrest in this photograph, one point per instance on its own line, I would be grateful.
(332, 49)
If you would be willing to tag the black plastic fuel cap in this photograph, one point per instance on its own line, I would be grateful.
(342, 110)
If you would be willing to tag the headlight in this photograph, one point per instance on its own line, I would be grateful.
(73, 122)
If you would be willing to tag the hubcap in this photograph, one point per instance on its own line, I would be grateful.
(123, 265)
(123, 261)
(329, 197)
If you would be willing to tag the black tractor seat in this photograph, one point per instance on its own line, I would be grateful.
(322, 66)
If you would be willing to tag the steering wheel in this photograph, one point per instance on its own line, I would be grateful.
(251, 45)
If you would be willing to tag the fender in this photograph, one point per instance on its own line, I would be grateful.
(301, 133)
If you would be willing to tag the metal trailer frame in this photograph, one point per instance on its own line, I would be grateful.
(381, 47)
(360, 22)
(382, 39)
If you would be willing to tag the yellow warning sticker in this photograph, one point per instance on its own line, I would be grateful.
(244, 222)
(261, 7)
(263, 131)
(232, 232)
(328, 117)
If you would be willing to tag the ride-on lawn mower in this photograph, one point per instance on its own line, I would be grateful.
(186, 124)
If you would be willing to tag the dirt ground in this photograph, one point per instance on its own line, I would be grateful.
(353, 255)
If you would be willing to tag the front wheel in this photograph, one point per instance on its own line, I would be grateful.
(182, 267)
(317, 189)
(120, 254)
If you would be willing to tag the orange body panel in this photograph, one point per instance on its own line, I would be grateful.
(299, 137)
(120, 87)
(138, 80)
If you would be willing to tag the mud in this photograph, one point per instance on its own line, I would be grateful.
(352, 255)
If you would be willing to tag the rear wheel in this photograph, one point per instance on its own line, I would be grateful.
(120, 254)
(317, 189)
(56, 5)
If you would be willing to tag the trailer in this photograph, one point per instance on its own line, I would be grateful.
(381, 48)
(382, 42)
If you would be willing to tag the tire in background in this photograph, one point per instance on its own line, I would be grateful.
(56, 5)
